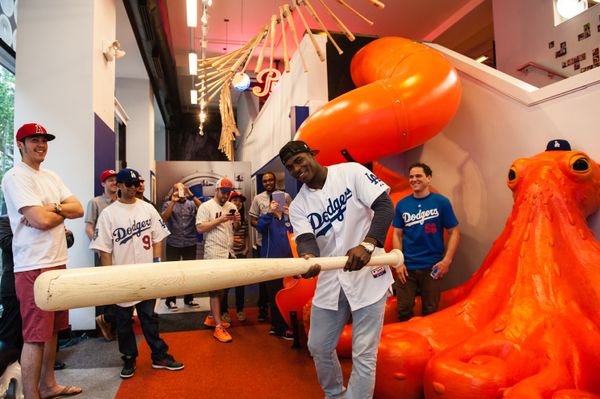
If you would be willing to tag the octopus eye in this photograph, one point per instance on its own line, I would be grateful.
(512, 174)
(580, 164)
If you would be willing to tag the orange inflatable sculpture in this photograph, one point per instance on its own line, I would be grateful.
(527, 325)
(407, 93)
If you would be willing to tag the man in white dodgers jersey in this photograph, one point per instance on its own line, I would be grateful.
(342, 210)
(131, 231)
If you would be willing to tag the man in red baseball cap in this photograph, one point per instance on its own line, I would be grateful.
(38, 202)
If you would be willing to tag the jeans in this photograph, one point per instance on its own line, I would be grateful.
(175, 254)
(325, 329)
(240, 293)
(126, 336)
(429, 288)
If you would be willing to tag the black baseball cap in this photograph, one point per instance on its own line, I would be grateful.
(294, 147)
(558, 145)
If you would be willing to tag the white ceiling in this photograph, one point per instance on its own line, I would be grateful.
(463, 25)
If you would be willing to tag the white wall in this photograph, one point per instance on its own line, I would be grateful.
(135, 95)
(497, 122)
(61, 82)
(261, 138)
(523, 29)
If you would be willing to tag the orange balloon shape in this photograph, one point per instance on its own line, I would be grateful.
(407, 93)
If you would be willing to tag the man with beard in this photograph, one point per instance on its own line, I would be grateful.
(217, 219)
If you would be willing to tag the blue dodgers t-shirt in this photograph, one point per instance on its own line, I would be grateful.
(423, 221)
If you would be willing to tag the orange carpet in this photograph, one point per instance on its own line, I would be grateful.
(255, 365)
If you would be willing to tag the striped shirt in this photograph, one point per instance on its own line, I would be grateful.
(218, 242)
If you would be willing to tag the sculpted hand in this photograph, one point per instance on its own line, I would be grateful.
(357, 258)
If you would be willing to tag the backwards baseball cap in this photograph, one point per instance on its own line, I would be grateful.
(558, 145)
(33, 129)
(127, 175)
(294, 147)
(106, 174)
(235, 194)
(224, 184)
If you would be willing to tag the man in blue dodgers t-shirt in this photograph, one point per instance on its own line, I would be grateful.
(419, 223)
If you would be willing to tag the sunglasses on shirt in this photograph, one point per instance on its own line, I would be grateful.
(130, 184)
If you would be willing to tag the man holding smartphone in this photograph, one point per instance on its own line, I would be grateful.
(217, 219)
(260, 205)
(180, 216)
(419, 223)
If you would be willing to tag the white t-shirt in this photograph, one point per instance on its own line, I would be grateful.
(218, 242)
(34, 248)
(260, 205)
(339, 215)
(127, 231)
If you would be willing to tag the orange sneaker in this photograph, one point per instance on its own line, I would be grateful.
(209, 321)
(222, 335)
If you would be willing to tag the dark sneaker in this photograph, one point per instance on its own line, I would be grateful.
(167, 363)
(171, 305)
(192, 304)
(262, 315)
(288, 335)
(129, 367)
(272, 331)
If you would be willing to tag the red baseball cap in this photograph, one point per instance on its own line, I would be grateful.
(236, 194)
(33, 129)
(106, 174)
(224, 184)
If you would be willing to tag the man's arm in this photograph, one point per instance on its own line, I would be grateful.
(205, 227)
(253, 221)
(71, 208)
(166, 214)
(157, 249)
(41, 217)
(105, 258)
(397, 238)
(89, 230)
(453, 240)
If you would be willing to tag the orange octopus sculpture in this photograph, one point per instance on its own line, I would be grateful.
(526, 325)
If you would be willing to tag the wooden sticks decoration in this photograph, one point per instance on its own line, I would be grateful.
(342, 2)
(322, 25)
(218, 72)
(338, 22)
(290, 21)
(310, 34)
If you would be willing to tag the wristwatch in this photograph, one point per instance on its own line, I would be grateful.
(58, 208)
(369, 247)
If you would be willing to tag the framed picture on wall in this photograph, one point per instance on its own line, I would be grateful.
(152, 187)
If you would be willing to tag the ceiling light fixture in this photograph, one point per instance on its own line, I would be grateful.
(194, 97)
(191, 8)
(112, 50)
(569, 8)
(193, 63)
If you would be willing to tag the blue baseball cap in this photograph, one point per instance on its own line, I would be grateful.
(128, 175)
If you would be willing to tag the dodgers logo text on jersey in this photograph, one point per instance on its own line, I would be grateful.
(373, 179)
(322, 222)
(419, 217)
(122, 235)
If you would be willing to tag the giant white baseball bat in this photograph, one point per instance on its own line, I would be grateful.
(91, 286)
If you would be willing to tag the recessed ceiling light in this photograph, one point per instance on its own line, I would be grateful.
(481, 58)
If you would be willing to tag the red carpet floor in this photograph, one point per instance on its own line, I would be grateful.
(255, 365)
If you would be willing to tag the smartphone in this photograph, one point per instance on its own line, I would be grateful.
(434, 271)
(232, 212)
(180, 192)
(279, 197)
